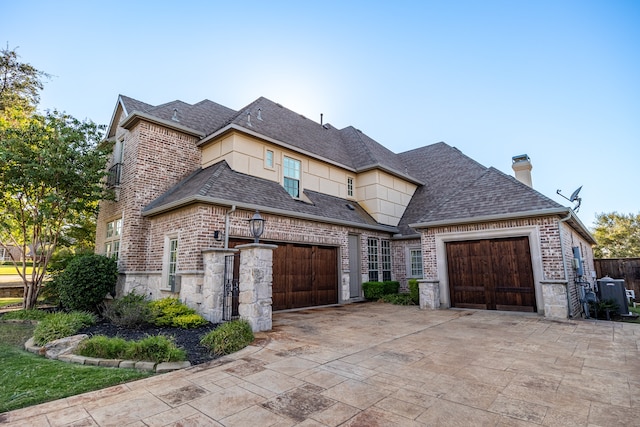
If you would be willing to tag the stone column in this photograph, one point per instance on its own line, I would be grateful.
(554, 296)
(213, 283)
(256, 280)
(429, 294)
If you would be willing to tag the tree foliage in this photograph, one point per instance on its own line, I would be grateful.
(20, 83)
(51, 170)
(618, 235)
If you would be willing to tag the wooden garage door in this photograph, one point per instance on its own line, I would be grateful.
(304, 276)
(493, 274)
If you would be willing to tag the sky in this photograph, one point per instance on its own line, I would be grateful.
(556, 80)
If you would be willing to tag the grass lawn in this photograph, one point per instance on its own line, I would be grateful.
(8, 301)
(10, 269)
(28, 379)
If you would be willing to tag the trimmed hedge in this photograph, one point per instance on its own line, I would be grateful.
(414, 291)
(376, 290)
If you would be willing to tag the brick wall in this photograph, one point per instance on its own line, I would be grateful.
(155, 158)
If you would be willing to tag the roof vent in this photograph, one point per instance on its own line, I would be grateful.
(259, 113)
(350, 207)
(249, 119)
(175, 115)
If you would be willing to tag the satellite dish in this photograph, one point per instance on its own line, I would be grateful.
(574, 198)
(574, 195)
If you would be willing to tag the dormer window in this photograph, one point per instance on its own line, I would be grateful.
(292, 176)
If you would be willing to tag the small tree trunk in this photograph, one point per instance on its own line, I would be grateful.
(30, 296)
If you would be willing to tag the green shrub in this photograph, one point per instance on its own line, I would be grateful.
(103, 347)
(60, 325)
(228, 338)
(188, 321)
(25, 315)
(50, 291)
(397, 299)
(128, 311)
(86, 281)
(391, 287)
(414, 291)
(157, 348)
(373, 290)
(165, 311)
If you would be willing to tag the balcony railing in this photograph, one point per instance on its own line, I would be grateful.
(113, 178)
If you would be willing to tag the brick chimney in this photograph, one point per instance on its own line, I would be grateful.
(522, 167)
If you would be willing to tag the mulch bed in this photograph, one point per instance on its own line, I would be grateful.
(187, 339)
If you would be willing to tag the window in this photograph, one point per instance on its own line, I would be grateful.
(268, 159)
(172, 263)
(415, 263)
(292, 176)
(385, 247)
(3, 254)
(349, 187)
(112, 241)
(372, 250)
(379, 260)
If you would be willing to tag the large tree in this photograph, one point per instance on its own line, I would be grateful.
(20, 83)
(51, 170)
(618, 235)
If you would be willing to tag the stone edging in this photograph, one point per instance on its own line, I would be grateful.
(158, 368)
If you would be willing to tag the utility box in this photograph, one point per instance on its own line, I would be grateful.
(613, 289)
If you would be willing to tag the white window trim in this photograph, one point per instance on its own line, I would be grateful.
(116, 237)
(273, 159)
(409, 262)
(299, 179)
(353, 187)
(166, 254)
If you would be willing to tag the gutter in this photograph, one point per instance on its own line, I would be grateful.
(490, 218)
(252, 207)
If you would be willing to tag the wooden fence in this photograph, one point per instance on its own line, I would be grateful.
(621, 268)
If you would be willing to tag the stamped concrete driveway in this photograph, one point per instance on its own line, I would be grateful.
(383, 365)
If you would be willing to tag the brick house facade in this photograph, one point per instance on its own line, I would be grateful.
(188, 178)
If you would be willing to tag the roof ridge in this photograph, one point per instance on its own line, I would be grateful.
(213, 178)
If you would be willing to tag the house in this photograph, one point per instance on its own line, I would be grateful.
(340, 209)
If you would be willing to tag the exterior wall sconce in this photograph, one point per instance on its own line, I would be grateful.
(256, 225)
(218, 235)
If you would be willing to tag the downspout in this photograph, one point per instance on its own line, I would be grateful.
(564, 262)
(226, 226)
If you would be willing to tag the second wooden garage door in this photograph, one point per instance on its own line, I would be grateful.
(492, 274)
(304, 276)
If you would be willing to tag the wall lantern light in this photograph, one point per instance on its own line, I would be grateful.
(256, 224)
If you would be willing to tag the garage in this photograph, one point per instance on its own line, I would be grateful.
(304, 276)
(491, 274)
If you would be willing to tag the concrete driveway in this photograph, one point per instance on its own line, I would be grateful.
(376, 364)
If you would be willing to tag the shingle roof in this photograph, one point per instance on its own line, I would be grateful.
(451, 185)
(458, 187)
(493, 193)
(219, 183)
